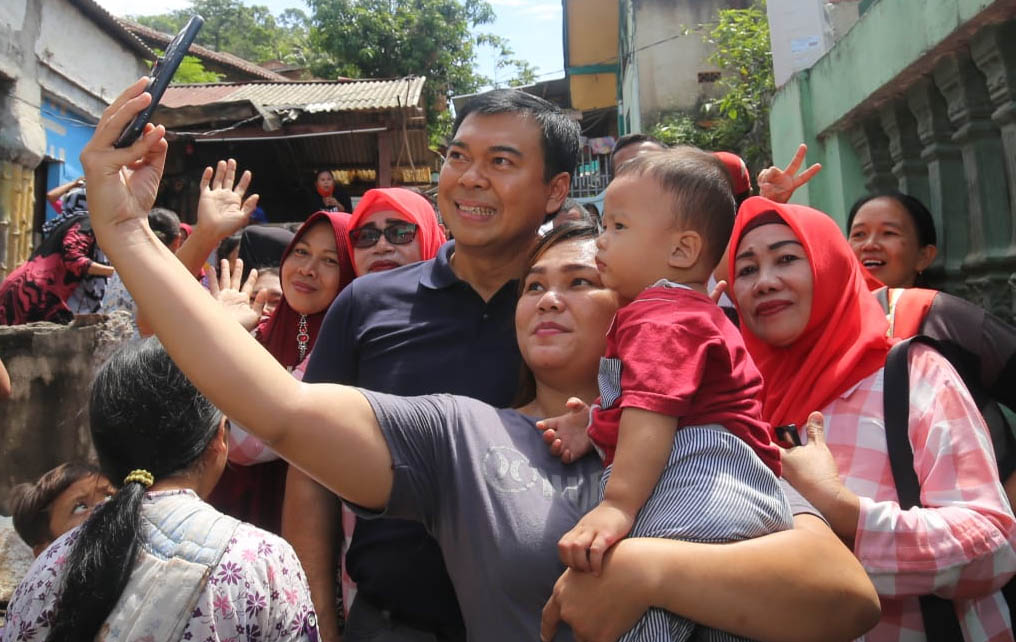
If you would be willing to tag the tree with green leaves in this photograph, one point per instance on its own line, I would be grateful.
(364, 39)
(191, 71)
(739, 119)
(248, 31)
(432, 38)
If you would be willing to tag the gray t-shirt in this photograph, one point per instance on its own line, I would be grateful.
(484, 484)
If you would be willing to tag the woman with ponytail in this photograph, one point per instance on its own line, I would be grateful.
(156, 562)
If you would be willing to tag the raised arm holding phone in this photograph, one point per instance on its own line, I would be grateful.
(346, 439)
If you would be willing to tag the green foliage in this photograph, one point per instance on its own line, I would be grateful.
(743, 52)
(363, 39)
(250, 32)
(191, 71)
(739, 120)
(432, 38)
(681, 128)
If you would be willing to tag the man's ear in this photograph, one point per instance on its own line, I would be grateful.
(559, 186)
(685, 249)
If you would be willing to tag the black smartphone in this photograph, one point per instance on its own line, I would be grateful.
(162, 73)
(787, 436)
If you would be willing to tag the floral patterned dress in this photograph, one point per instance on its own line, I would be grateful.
(257, 591)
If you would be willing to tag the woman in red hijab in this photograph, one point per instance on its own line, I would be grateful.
(392, 227)
(315, 267)
(819, 338)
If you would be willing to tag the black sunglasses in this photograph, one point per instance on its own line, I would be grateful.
(396, 234)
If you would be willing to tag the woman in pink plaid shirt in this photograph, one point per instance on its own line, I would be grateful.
(824, 348)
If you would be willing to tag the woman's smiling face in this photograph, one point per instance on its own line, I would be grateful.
(564, 311)
(773, 284)
(884, 238)
(311, 273)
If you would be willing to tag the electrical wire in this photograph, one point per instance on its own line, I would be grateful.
(212, 132)
(614, 58)
(66, 119)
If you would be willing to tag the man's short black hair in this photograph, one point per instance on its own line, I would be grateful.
(559, 134)
(634, 139)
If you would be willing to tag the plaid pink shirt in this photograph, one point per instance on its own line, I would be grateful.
(960, 546)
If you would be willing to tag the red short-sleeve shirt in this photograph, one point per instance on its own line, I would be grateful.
(673, 351)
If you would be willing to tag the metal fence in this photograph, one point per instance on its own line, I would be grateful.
(592, 174)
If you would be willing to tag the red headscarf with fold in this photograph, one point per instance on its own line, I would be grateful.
(278, 332)
(411, 207)
(845, 338)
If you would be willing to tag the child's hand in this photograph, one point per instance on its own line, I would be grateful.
(221, 206)
(566, 435)
(582, 548)
(236, 299)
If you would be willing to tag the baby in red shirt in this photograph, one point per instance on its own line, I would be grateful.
(678, 422)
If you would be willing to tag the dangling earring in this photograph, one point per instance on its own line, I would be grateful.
(302, 337)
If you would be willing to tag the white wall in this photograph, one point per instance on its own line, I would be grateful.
(803, 30)
(48, 48)
(22, 138)
(668, 71)
(79, 62)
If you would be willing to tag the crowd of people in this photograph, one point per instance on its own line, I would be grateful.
(668, 422)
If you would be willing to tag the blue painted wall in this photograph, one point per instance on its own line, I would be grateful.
(67, 132)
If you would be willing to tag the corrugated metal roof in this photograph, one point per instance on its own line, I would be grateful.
(308, 96)
(223, 58)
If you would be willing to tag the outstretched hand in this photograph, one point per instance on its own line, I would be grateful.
(234, 297)
(222, 209)
(779, 184)
(566, 435)
(123, 183)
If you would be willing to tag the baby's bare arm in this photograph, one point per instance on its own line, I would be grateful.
(644, 441)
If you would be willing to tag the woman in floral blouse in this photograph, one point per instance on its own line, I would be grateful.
(156, 562)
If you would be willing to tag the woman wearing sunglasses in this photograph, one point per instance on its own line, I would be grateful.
(384, 226)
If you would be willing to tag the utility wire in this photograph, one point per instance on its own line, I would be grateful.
(614, 58)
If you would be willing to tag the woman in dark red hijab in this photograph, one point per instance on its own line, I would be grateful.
(315, 268)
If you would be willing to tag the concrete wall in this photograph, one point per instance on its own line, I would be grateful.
(22, 138)
(45, 422)
(53, 59)
(817, 102)
(79, 63)
(920, 99)
(667, 62)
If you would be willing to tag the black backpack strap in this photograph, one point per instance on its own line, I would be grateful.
(939, 615)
